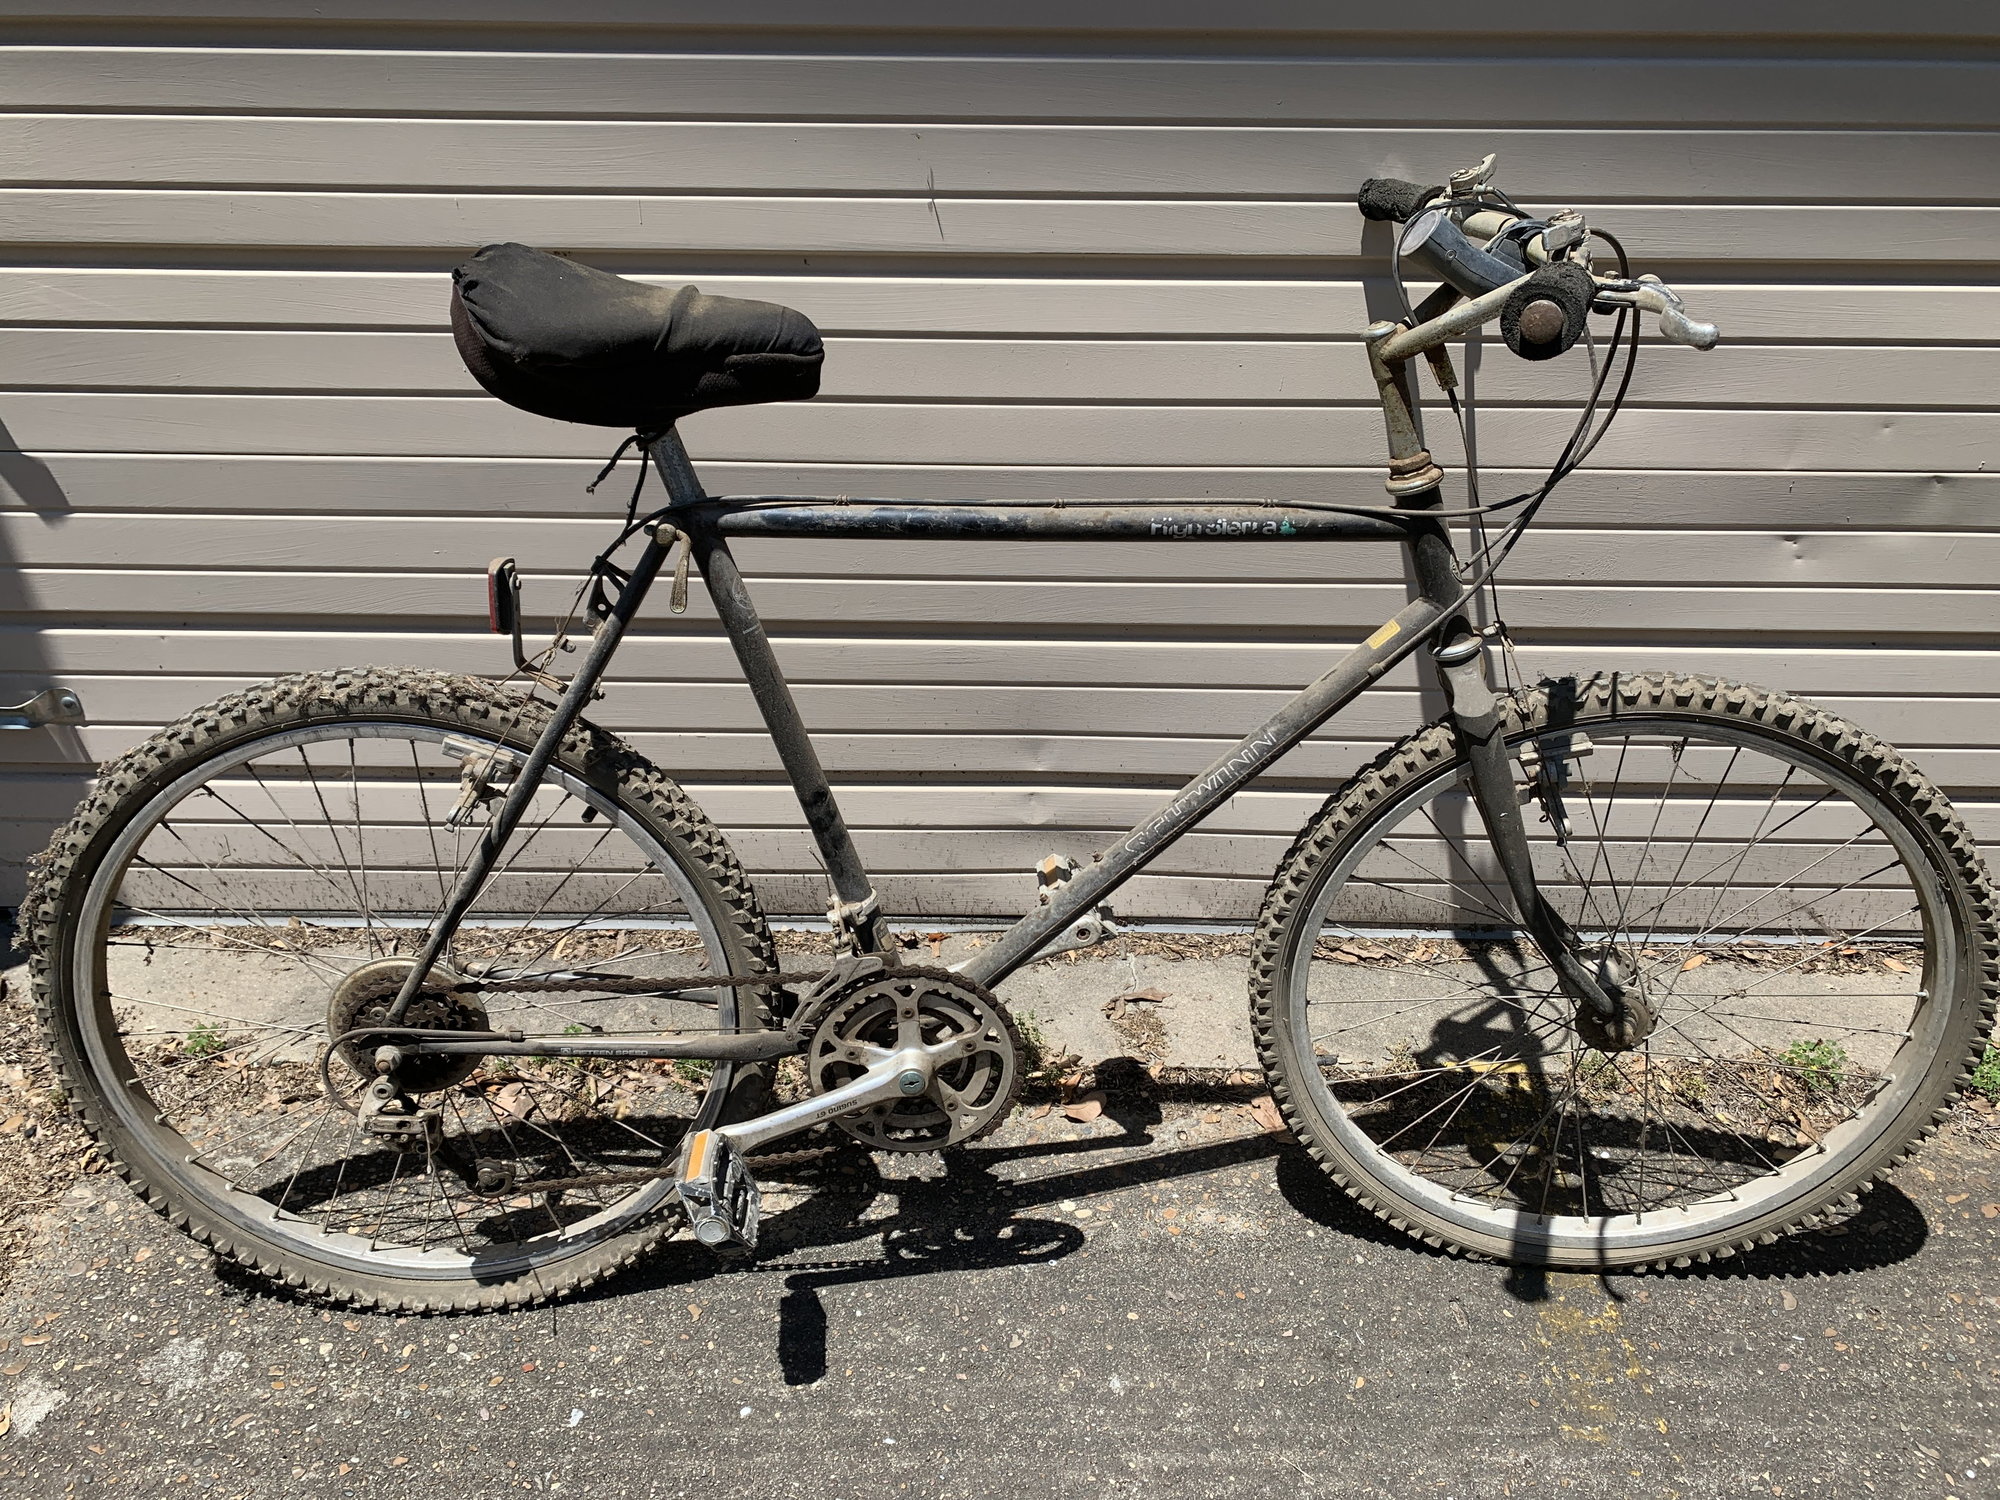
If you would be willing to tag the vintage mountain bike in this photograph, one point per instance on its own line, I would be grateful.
(422, 991)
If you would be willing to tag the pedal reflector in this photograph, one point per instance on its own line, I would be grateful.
(720, 1196)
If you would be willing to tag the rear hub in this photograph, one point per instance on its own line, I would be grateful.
(364, 997)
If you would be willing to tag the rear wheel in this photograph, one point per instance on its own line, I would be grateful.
(1801, 909)
(252, 883)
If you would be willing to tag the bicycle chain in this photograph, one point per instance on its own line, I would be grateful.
(770, 1162)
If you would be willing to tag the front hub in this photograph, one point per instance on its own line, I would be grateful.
(1632, 1018)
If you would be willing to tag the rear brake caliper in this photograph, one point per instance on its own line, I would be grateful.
(480, 766)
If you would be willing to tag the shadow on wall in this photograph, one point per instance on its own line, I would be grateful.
(43, 772)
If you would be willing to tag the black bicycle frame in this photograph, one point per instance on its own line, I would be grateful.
(708, 523)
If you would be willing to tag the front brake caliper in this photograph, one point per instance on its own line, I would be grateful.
(1546, 762)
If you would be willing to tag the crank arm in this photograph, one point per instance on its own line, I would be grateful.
(903, 1074)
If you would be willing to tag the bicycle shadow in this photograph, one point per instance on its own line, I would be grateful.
(1887, 1229)
(48, 768)
(973, 1216)
(970, 1217)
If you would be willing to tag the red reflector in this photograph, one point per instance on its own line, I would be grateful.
(503, 595)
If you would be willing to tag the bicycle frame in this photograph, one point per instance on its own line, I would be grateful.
(1437, 612)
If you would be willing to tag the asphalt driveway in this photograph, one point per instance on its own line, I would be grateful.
(1167, 1299)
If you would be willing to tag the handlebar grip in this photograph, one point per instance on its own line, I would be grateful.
(1392, 198)
(1676, 327)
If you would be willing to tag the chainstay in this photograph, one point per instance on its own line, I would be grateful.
(618, 984)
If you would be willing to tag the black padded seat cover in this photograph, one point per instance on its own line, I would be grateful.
(569, 341)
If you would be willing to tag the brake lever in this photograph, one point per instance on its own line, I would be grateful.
(1650, 294)
(1676, 327)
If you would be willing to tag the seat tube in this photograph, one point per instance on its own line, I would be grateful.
(855, 912)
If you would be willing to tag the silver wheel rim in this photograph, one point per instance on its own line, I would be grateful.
(105, 1049)
(1625, 1236)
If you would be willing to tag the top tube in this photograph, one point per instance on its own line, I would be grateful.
(1044, 520)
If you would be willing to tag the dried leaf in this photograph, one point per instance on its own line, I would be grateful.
(1087, 1108)
(512, 1101)
(1694, 963)
(1115, 1006)
(1895, 966)
(1956, 1197)
(1791, 1302)
(1264, 1110)
(1986, 1211)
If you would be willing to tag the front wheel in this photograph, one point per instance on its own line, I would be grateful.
(1801, 909)
(249, 886)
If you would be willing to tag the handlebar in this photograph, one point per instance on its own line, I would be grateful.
(1441, 242)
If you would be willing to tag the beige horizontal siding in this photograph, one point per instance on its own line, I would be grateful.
(1117, 263)
(932, 86)
(273, 219)
(1041, 370)
(1337, 307)
(995, 434)
(947, 162)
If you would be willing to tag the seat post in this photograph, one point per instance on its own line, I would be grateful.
(855, 911)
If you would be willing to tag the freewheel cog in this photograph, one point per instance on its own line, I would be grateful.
(363, 998)
(970, 1093)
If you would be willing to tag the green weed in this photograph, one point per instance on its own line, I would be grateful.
(1821, 1065)
(1986, 1076)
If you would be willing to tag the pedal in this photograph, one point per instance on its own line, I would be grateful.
(717, 1191)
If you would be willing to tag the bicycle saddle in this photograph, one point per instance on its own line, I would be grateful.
(582, 345)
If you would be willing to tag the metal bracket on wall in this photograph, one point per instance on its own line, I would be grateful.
(1086, 931)
(49, 706)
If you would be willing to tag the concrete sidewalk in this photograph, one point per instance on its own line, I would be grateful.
(1167, 1298)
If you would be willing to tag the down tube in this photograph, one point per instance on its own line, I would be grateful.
(1314, 705)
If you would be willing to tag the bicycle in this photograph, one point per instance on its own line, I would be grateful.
(422, 991)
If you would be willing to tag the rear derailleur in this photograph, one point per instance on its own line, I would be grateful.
(391, 1115)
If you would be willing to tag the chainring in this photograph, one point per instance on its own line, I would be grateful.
(968, 1096)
